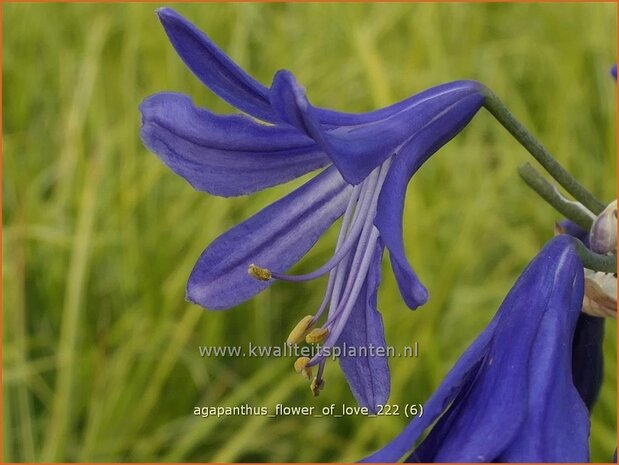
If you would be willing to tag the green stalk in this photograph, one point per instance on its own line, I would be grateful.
(494, 105)
(594, 261)
(591, 260)
(548, 192)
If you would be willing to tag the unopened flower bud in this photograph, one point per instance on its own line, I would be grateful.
(603, 234)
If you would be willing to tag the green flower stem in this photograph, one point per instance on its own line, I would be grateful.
(494, 105)
(547, 191)
(594, 261)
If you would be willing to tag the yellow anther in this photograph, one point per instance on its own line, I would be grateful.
(261, 274)
(316, 335)
(300, 366)
(300, 330)
(559, 229)
(317, 386)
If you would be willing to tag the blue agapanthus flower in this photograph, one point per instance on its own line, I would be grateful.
(368, 158)
(514, 396)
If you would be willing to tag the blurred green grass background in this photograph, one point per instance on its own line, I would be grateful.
(100, 349)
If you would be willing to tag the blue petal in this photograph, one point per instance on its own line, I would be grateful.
(588, 358)
(367, 374)
(408, 160)
(498, 374)
(356, 149)
(460, 375)
(224, 155)
(613, 72)
(557, 425)
(275, 238)
(224, 77)
(523, 405)
(572, 229)
(214, 68)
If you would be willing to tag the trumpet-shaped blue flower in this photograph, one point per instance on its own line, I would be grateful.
(369, 159)
(513, 396)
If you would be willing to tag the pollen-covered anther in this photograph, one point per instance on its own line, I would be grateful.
(300, 366)
(261, 274)
(300, 330)
(317, 386)
(316, 335)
